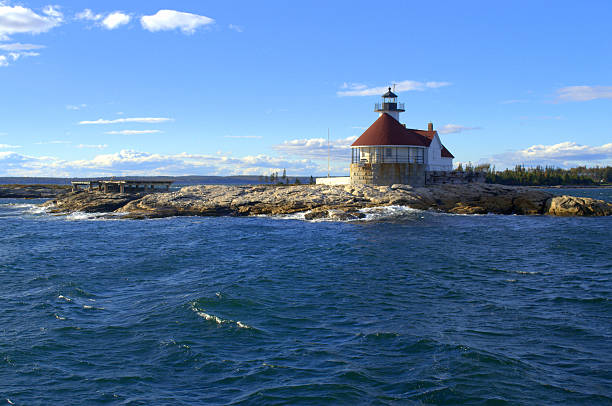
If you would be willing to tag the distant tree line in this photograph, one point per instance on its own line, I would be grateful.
(543, 176)
(274, 179)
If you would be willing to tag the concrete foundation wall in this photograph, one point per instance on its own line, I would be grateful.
(388, 174)
(337, 180)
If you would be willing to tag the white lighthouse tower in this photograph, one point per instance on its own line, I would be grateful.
(389, 105)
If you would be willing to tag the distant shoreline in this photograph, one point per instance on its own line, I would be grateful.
(571, 187)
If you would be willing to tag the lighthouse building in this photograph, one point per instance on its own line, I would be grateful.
(388, 152)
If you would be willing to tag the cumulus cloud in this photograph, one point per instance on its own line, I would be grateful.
(76, 106)
(359, 89)
(317, 148)
(455, 128)
(3, 61)
(564, 154)
(89, 15)
(166, 20)
(584, 93)
(132, 163)
(129, 120)
(133, 132)
(7, 146)
(115, 19)
(110, 21)
(20, 20)
(234, 27)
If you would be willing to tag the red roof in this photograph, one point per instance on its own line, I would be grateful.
(445, 153)
(388, 131)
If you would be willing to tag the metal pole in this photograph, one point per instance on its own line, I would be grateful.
(328, 153)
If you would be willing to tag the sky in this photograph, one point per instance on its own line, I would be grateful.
(100, 88)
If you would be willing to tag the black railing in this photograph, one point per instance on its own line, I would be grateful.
(389, 107)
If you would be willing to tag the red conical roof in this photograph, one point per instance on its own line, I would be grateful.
(388, 131)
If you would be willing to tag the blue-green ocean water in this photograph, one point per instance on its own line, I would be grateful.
(408, 307)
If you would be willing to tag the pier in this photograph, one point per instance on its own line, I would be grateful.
(122, 186)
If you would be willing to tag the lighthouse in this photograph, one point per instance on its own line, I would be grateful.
(388, 152)
(389, 105)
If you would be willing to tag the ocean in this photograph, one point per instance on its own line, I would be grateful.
(403, 307)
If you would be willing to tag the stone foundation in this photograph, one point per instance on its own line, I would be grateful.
(442, 177)
(387, 174)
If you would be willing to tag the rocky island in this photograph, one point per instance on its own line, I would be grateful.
(32, 191)
(326, 201)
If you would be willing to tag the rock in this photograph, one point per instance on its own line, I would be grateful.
(461, 208)
(90, 202)
(577, 206)
(316, 214)
(344, 215)
(32, 191)
(324, 201)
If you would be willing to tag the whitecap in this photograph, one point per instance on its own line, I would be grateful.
(218, 320)
(64, 298)
(388, 212)
(79, 216)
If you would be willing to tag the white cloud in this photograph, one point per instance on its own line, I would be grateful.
(455, 128)
(52, 142)
(76, 106)
(3, 61)
(16, 46)
(513, 101)
(53, 11)
(110, 21)
(7, 146)
(17, 55)
(165, 20)
(115, 20)
(564, 154)
(89, 15)
(95, 146)
(133, 132)
(584, 93)
(359, 89)
(317, 148)
(129, 120)
(234, 27)
(19, 20)
(126, 163)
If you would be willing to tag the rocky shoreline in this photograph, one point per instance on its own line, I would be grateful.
(32, 191)
(323, 201)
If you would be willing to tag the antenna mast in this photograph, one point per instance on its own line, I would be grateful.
(328, 153)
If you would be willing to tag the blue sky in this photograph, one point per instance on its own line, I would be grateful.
(239, 87)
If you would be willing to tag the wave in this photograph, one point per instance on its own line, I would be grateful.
(218, 320)
(362, 215)
(79, 216)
